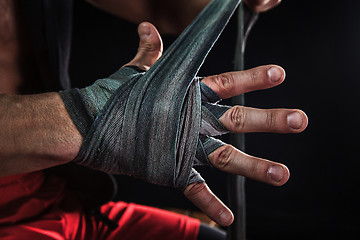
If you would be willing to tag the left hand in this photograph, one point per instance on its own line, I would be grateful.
(237, 119)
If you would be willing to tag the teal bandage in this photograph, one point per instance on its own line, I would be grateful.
(150, 124)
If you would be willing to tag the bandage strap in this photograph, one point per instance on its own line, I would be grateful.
(150, 126)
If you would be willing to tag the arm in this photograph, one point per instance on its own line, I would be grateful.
(170, 17)
(36, 133)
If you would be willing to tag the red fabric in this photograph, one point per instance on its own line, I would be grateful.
(27, 195)
(142, 222)
(33, 206)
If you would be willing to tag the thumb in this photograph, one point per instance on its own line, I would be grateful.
(150, 47)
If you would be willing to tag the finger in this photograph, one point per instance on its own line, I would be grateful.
(202, 197)
(245, 119)
(231, 160)
(231, 84)
(261, 5)
(150, 47)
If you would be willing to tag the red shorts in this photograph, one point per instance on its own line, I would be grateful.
(65, 220)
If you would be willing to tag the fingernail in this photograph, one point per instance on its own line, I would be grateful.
(294, 120)
(145, 31)
(274, 74)
(276, 173)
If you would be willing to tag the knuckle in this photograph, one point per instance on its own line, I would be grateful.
(148, 47)
(237, 117)
(270, 119)
(254, 166)
(225, 82)
(195, 189)
(253, 80)
(225, 157)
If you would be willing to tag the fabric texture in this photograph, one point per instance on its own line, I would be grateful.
(25, 196)
(51, 213)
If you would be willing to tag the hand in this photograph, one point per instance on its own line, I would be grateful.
(261, 5)
(237, 119)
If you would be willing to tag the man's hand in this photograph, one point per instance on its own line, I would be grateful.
(238, 119)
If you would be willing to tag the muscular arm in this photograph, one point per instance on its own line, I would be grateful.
(168, 16)
(36, 133)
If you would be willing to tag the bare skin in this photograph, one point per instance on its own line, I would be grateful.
(28, 139)
(37, 133)
(168, 16)
(10, 76)
(261, 5)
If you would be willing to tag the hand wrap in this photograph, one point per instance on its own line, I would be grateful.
(154, 125)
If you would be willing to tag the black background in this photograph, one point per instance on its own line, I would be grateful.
(317, 43)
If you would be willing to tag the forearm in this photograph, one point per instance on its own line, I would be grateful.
(36, 133)
(169, 17)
